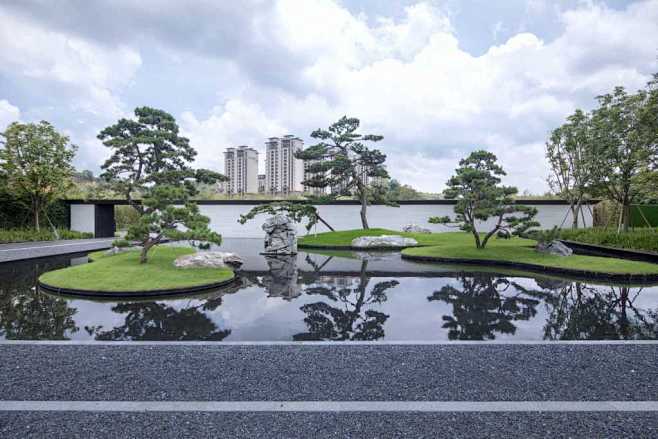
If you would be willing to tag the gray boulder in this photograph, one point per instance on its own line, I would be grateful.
(415, 228)
(209, 260)
(554, 248)
(280, 236)
(392, 241)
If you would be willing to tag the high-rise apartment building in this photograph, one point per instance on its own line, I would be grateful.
(283, 172)
(241, 168)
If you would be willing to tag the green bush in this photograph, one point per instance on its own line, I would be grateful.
(22, 235)
(125, 216)
(121, 243)
(636, 239)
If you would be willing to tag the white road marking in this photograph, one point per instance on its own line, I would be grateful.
(331, 406)
(326, 343)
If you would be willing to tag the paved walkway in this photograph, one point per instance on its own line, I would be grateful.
(30, 250)
(128, 389)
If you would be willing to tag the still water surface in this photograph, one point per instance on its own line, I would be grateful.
(337, 296)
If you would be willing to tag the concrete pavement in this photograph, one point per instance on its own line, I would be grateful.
(31, 250)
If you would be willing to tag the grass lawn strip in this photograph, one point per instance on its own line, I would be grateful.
(123, 273)
(343, 239)
(527, 255)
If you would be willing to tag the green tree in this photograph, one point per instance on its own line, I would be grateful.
(36, 162)
(342, 162)
(569, 156)
(151, 160)
(625, 144)
(480, 196)
(296, 211)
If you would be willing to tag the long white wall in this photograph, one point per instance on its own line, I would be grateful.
(223, 218)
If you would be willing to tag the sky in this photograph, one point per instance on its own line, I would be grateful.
(437, 79)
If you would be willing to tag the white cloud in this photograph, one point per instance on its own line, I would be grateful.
(8, 114)
(94, 70)
(301, 65)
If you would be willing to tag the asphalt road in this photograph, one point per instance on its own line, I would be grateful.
(186, 374)
(31, 250)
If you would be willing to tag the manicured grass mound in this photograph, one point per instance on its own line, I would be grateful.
(343, 238)
(644, 239)
(123, 273)
(527, 255)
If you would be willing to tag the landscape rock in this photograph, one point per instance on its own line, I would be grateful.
(415, 228)
(554, 248)
(209, 260)
(117, 250)
(395, 241)
(282, 278)
(281, 236)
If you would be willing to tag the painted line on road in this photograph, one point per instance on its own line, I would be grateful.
(330, 406)
(327, 343)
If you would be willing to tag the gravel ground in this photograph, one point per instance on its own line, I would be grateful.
(321, 425)
(559, 372)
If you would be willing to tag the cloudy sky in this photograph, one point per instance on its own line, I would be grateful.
(436, 78)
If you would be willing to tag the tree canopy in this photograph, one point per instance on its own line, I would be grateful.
(480, 196)
(36, 163)
(342, 162)
(151, 161)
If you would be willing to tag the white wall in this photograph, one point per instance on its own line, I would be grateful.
(83, 218)
(223, 218)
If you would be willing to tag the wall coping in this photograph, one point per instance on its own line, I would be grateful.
(539, 202)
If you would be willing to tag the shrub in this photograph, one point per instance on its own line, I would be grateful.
(121, 243)
(23, 235)
(635, 239)
(125, 216)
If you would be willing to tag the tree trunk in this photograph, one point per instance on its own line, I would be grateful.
(476, 235)
(35, 208)
(364, 207)
(627, 216)
(325, 223)
(575, 210)
(143, 256)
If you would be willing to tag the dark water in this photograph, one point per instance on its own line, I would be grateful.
(338, 296)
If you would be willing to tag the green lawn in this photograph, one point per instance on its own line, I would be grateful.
(343, 238)
(528, 255)
(123, 272)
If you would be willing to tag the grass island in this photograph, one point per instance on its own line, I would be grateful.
(123, 275)
(517, 253)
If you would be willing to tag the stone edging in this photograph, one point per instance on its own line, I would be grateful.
(358, 249)
(627, 277)
(135, 294)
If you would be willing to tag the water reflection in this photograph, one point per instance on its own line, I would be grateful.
(346, 311)
(28, 315)
(299, 298)
(583, 312)
(485, 305)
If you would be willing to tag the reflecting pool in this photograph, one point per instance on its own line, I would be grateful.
(337, 296)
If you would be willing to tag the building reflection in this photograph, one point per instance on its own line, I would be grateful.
(347, 310)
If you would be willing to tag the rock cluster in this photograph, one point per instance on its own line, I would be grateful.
(554, 248)
(384, 241)
(282, 278)
(281, 236)
(415, 228)
(209, 260)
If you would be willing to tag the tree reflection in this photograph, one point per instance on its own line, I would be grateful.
(161, 321)
(347, 313)
(30, 315)
(582, 312)
(484, 306)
